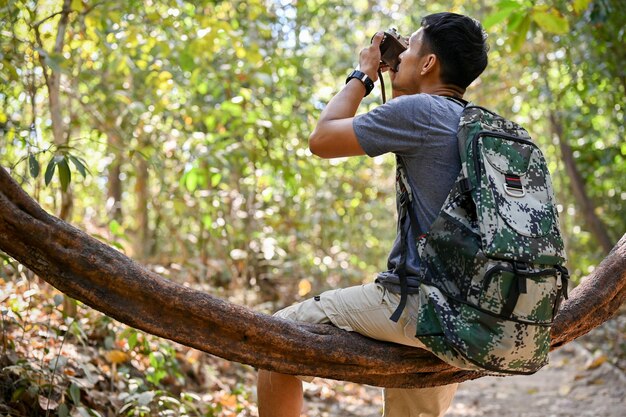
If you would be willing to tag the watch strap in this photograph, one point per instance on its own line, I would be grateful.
(364, 78)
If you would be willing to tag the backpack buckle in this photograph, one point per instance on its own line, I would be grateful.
(520, 266)
(562, 281)
(465, 185)
(513, 186)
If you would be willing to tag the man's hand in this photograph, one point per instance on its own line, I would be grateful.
(334, 134)
(369, 58)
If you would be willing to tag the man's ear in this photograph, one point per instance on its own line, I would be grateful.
(429, 64)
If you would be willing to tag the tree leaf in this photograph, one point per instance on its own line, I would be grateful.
(33, 166)
(75, 394)
(116, 228)
(132, 340)
(186, 61)
(191, 180)
(504, 9)
(50, 171)
(79, 165)
(550, 21)
(63, 410)
(64, 174)
(520, 36)
(215, 179)
(581, 5)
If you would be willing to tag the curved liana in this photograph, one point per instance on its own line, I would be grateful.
(106, 280)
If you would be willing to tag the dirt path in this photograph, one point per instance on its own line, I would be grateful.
(575, 384)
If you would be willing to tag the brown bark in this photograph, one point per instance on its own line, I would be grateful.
(108, 281)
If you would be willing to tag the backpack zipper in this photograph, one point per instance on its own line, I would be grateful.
(483, 133)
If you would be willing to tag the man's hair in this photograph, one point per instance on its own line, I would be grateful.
(460, 44)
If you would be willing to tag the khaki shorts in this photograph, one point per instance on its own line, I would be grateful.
(366, 310)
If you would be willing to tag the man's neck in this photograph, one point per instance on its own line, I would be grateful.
(443, 90)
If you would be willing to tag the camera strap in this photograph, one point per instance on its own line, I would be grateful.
(382, 85)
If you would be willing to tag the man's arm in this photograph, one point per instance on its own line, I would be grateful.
(334, 135)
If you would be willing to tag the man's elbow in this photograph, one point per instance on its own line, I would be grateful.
(315, 143)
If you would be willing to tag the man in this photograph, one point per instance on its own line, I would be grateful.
(419, 126)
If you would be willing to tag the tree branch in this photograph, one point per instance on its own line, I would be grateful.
(105, 279)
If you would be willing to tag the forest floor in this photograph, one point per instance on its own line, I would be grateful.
(92, 366)
(574, 384)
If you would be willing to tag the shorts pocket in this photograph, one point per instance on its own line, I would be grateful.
(410, 328)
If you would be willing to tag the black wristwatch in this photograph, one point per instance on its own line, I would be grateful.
(363, 77)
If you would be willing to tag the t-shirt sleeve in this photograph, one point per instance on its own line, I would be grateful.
(399, 126)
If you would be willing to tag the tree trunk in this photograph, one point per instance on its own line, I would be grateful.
(108, 281)
(142, 193)
(577, 184)
(114, 183)
(53, 83)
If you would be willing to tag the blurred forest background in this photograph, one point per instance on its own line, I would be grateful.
(177, 132)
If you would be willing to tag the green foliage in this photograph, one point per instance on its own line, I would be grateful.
(216, 100)
(577, 76)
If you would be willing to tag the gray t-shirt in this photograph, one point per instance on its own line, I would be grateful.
(420, 129)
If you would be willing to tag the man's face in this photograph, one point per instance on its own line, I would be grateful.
(407, 79)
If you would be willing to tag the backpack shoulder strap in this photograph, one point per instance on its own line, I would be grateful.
(458, 100)
(405, 197)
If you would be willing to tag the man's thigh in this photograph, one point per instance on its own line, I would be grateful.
(364, 309)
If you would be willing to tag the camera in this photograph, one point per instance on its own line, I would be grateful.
(392, 45)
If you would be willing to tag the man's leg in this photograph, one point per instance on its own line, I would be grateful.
(279, 395)
(419, 402)
(365, 309)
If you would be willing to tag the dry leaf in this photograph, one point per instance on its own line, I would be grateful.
(47, 404)
(597, 381)
(116, 356)
(304, 287)
(597, 362)
(229, 401)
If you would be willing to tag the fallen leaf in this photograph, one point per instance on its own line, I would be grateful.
(228, 400)
(597, 381)
(304, 287)
(564, 390)
(116, 356)
(597, 362)
(47, 403)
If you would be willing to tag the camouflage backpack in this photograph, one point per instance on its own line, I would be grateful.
(492, 274)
